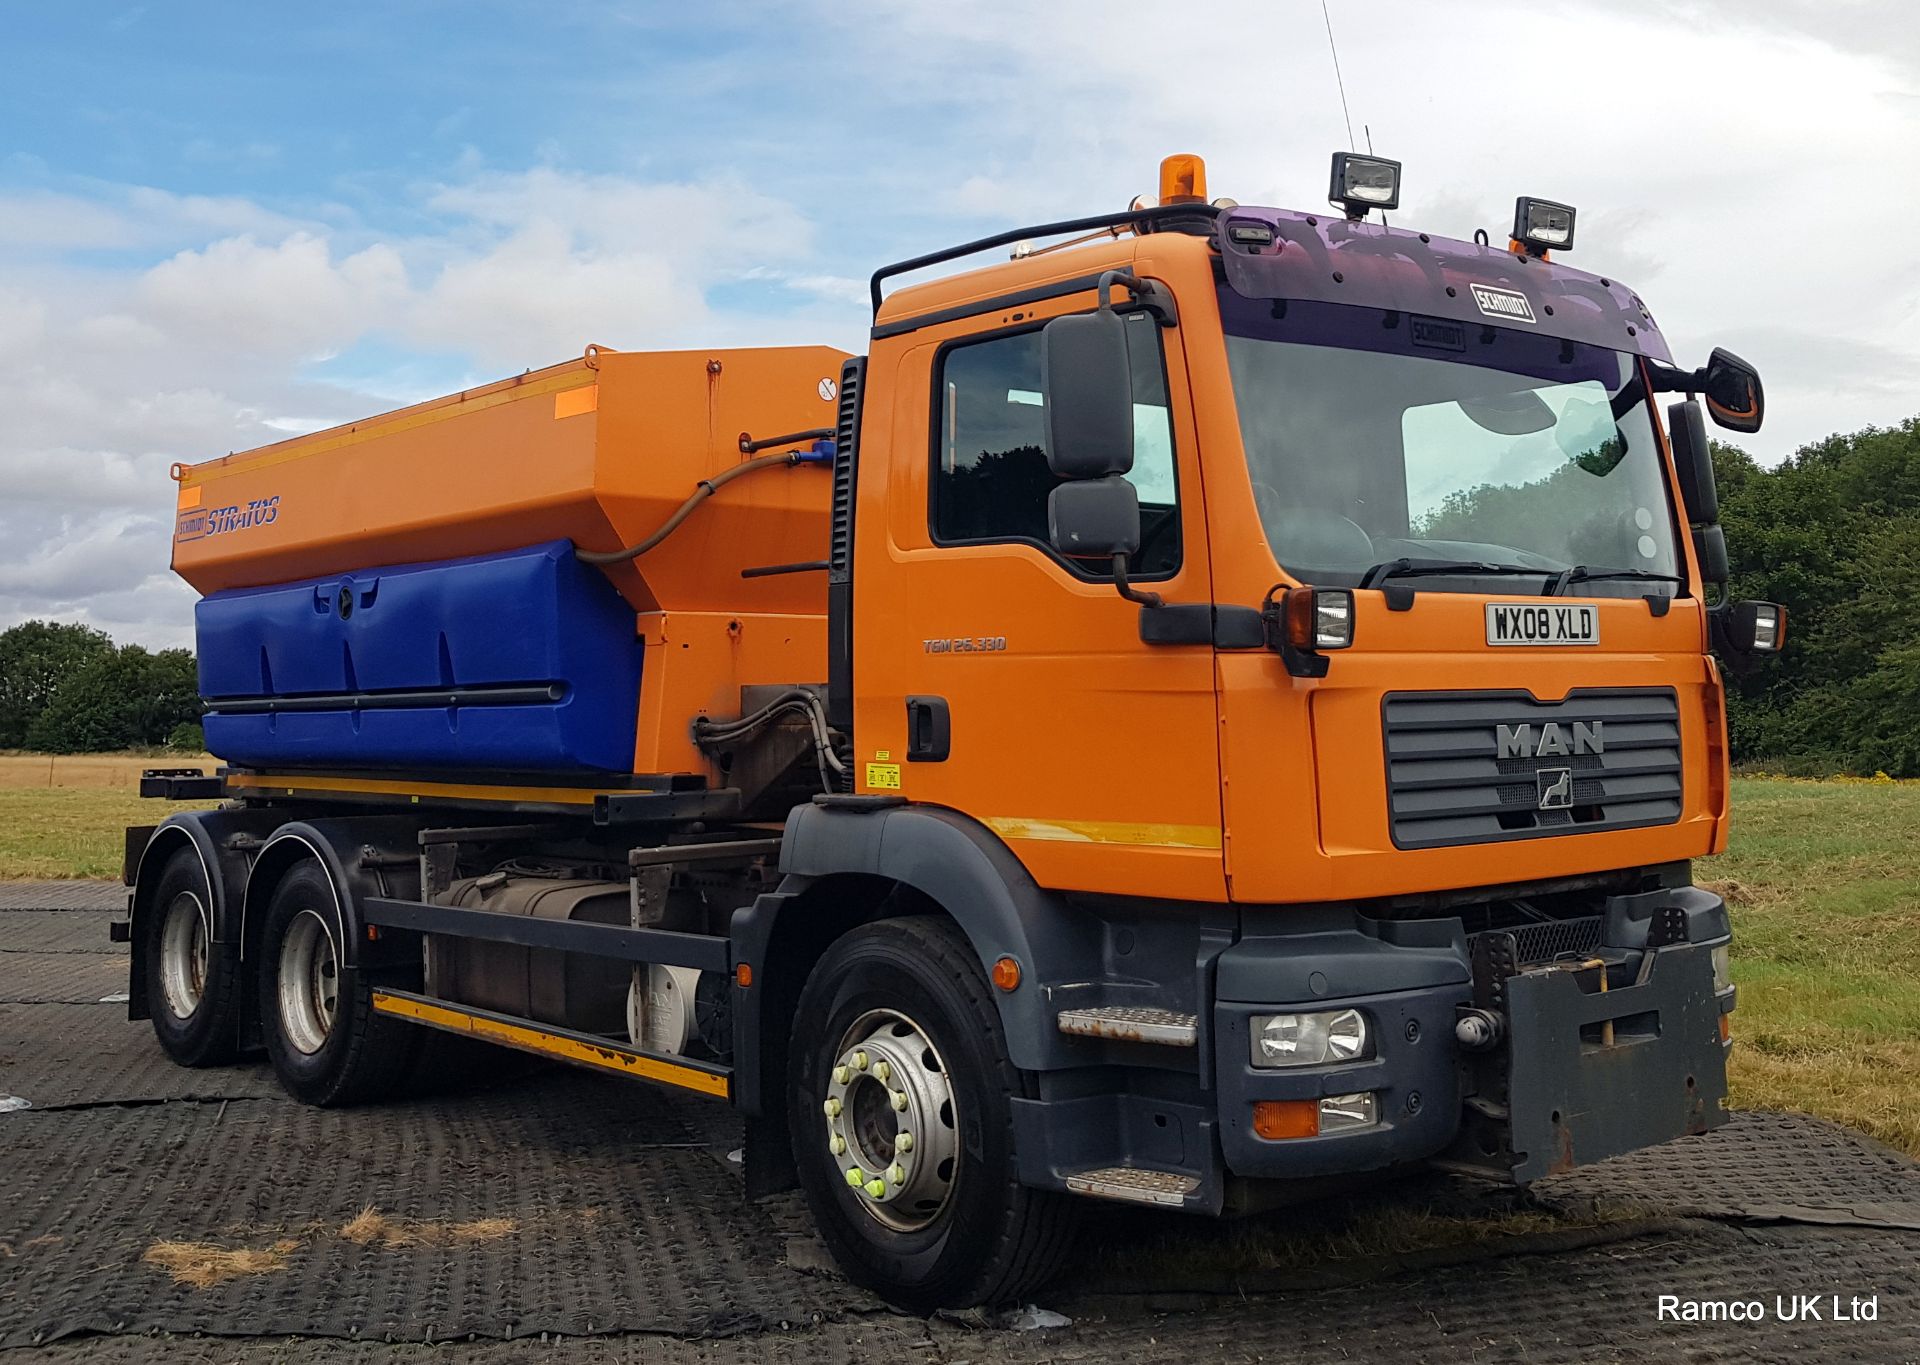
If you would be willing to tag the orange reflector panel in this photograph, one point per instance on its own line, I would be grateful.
(1006, 974)
(1274, 1119)
(1726, 1028)
(743, 975)
(1183, 179)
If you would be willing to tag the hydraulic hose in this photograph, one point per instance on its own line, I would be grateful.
(706, 489)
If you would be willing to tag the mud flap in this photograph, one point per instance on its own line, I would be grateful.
(1574, 1090)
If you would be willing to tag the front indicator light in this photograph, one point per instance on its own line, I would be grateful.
(1722, 968)
(1315, 1039)
(1278, 1120)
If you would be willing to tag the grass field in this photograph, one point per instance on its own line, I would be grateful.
(1823, 879)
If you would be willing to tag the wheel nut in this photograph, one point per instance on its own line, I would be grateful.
(837, 1145)
(856, 1177)
(882, 1070)
(899, 1099)
(860, 1060)
(876, 1188)
(842, 1074)
(832, 1106)
(904, 1142)
(897, 1173)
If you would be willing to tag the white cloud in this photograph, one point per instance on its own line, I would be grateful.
(204, 351)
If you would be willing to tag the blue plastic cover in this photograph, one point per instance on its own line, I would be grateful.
(524, 618)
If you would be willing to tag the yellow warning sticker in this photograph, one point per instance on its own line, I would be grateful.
(882, 755)
(884, 776)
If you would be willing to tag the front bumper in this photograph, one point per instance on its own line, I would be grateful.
(1576, 1075)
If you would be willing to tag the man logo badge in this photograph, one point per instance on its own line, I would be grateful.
(1508, 305)
(1555, 786)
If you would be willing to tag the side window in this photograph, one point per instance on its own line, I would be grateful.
(990, 475)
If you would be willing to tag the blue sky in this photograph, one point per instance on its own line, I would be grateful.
(223, 222)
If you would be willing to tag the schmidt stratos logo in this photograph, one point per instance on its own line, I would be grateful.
(1509, 305)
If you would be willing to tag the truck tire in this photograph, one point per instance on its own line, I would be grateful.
(192, 982)
(899, 1107)
(327, 1045)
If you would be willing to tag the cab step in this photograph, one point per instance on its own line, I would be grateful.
(1135, 1185)
(1132, 1025)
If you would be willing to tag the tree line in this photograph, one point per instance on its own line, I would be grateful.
(68, 689)
(1833, 534)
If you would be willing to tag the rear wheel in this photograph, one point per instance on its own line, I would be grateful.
(192, 982)
(327, 1044)
(899, 1104)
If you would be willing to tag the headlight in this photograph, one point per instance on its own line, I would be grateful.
(1310, 1039)
(1722, 970)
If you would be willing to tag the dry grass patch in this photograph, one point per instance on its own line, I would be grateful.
(203, 1265)
(370, 1227)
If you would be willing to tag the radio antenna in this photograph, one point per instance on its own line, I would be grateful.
(1338, 79)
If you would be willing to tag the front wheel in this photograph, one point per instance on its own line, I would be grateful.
(899, 1102)
(327, 1045)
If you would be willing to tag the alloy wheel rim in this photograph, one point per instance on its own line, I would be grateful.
(891, 1125)
(184, 955)
(309, 982)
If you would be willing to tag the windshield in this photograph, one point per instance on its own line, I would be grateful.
(1374, 436)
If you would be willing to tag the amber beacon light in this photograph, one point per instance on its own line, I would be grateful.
(1183, 180)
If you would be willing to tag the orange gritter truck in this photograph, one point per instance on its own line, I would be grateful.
(1214, 707)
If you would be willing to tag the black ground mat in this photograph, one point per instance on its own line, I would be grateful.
(28, 978)
(74, 895)
(567, 1205)
(54, 1055)
(1762, 1167)
(1597, 1305)
(66, 931)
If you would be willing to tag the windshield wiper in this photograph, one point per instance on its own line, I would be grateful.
(1580, 573)
(1431, 568)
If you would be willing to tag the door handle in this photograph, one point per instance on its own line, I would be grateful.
(929, 730)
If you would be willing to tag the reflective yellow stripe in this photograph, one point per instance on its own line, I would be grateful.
(368, 431)
(300, 782)
(1105, 832)
(530, 1039)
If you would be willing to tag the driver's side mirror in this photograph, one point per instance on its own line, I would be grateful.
(1734, 394)
(1693, 462)
(1089, 395)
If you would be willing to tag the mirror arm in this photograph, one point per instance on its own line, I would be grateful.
(1126, 589)
(1669, 379)
(1154, 298)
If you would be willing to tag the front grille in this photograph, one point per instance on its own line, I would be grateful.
(1553, 940)
(1600, 760)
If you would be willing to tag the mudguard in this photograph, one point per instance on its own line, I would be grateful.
(965, 868)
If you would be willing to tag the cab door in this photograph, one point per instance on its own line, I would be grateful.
(997, 677)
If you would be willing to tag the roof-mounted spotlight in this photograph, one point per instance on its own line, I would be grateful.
(1363, 183)
(1540, 226)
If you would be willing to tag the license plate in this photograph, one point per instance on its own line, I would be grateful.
(1542, 623)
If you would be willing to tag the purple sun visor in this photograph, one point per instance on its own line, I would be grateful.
(1278, 254)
